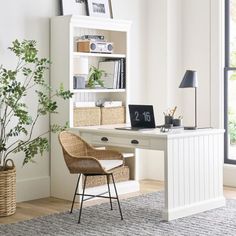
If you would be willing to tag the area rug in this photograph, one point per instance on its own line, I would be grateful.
(142, 216)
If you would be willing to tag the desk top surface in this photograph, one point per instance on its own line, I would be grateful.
(180, 132)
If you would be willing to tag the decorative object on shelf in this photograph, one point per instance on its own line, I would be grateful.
(94, 78)
(100, 8)
(18, 121)
(94, 46)
(190, 81)
(73, 7)
(80, 72)
(100, 102)
(110, 75)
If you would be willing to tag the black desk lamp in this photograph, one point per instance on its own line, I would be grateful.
(190, 81)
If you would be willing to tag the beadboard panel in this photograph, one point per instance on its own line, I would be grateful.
(194, 173)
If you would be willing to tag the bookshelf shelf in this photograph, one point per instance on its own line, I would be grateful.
(99, 90)
(83, 54)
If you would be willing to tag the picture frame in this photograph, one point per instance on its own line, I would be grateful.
(73, 7)
(99, 8)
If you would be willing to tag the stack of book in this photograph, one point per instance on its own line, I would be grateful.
(114, 73)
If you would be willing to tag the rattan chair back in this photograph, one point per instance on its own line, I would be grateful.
(73, 144)
(80, 157)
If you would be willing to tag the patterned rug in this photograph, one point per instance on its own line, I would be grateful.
(142, 216)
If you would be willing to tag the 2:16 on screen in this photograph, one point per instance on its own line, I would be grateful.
(145, 116)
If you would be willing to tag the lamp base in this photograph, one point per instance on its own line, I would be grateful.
(190, 128)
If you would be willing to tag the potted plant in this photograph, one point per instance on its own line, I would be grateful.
(94, 77)
(17, 121)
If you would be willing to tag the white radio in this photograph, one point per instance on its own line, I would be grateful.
(94, 46)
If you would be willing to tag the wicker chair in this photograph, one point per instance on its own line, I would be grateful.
(81, 158)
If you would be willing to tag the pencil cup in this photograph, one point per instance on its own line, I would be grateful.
(168, 120)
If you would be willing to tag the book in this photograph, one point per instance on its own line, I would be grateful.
(118, 75)
(122, 73)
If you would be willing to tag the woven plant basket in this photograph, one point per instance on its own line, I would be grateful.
(8, 189)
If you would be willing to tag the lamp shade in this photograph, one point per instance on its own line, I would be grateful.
(189, 80)
(81, 66)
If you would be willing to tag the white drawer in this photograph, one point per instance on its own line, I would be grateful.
(121, 141)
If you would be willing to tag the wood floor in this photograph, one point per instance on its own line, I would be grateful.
(46, 206)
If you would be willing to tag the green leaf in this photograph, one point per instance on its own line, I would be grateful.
(65, 94)
(55, 128)
(35, 147)
(15, 116)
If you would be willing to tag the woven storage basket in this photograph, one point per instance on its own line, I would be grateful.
(86, 116)
(120, 174)
(112, 115)
(8, 190)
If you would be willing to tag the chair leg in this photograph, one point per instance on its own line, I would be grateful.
(76, 188)
(81, 205)
(109, 191)
(121, 216)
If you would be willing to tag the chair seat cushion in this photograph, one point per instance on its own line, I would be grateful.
(110, 164)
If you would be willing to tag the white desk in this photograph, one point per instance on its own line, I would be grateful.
(193, 164)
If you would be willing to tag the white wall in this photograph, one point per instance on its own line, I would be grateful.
(164, 69)
(185, 34)
(136, 11)
(27, 19)
(197, 56)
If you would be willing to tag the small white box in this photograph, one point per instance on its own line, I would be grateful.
(112, 104)
(85, 104)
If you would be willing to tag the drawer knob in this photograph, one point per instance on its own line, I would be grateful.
(134, 141)
(104, 139)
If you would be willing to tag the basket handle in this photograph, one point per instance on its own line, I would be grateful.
(11, 161)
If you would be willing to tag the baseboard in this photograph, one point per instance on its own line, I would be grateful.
(193, 208)
(31, 189)
(230, 175)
